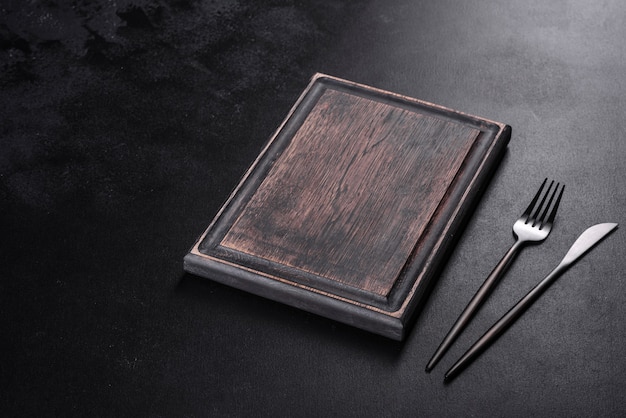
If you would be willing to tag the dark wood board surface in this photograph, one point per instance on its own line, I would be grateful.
(349, 210)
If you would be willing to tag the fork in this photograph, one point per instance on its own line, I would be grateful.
(533, 226)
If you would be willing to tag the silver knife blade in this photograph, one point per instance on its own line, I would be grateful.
(590, 237)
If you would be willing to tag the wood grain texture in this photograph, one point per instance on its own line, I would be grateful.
(353, 205)
(352, 193)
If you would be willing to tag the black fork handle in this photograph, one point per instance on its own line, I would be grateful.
(475, 303)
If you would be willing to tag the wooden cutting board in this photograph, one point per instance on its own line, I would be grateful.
(352, 207)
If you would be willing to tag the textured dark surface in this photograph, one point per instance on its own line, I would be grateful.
(125, 125)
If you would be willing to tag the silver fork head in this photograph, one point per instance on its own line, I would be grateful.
(536, 222)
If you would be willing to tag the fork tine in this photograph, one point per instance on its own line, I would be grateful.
(540, 219)
(537, 211)
(526, 213)
(555, 207)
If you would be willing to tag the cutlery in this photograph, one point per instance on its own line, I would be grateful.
(584, 243)
(533, 226)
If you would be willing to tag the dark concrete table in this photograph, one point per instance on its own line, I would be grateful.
(125, 127)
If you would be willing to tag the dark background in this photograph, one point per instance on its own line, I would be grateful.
(125, 125)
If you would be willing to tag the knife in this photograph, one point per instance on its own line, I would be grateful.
(584, 243)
